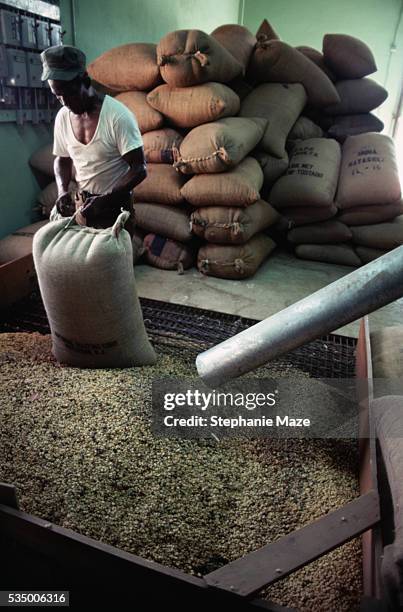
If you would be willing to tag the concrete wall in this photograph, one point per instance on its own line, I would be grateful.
(300, 22)
(102, 24)
(18, 187)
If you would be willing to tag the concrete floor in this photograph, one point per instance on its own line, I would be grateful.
(281, 281)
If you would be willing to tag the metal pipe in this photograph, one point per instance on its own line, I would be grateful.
(347, 299)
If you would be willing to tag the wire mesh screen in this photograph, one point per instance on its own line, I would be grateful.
(175, 329)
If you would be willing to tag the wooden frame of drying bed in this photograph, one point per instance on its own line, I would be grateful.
(56, 557)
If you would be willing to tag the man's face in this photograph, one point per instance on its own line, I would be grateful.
(72, 94)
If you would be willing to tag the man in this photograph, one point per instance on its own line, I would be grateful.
(96, 133)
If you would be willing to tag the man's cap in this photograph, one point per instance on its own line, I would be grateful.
(62, 63)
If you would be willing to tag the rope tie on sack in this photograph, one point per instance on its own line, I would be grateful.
(73, 217)
(181, 161)
(162, 60)
(175, 155)
(238, 264)
(202, 58)
(262, 38)
(263, 43)
(196, 221)
(180, 268)
(120, 222)
(235, 226)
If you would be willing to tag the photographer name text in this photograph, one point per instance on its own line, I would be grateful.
(235, 422)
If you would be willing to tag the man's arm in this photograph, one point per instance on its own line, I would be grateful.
(137, 173)
(63, 169)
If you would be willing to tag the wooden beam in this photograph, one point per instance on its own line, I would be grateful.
(368, 469)
(83, 562)
(250, 574)
(8, 495)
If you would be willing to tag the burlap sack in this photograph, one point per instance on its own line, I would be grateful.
(237, 40)
(279, 103)
(367, 255)
(302, 215)
(342, 254)
(272, 167)
(43, 159)
(230, 225)
(191, 57)
(311, 177)
(303, 129)
(87, 285)
(317, 58)
(188, 107)
(386, 352)
(131, 67)
(159, 145)
(326, 232)
(234, 262)
(240, 86)
(388, 421)
(147, 117)
(164, 220)
(19, 243)
(162, 186)
(318, 117)
(348, 57)
(102, 89)
(49, 195)
(351, 125)
(216, 147)
(167, 254)
(357, 96)
(275, 61)
(368, 215)
(266, 32)
(384, 236)
(137, 244)
(369, 173)
(240, 186)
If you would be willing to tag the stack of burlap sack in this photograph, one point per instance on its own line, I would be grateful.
(232, 147)
(369, 195)
(342, 202)
(361, 204)
(202, 183)
(162, 215)
(224, 179)
(349, 61)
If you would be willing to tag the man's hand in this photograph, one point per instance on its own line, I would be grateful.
(65, 205)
